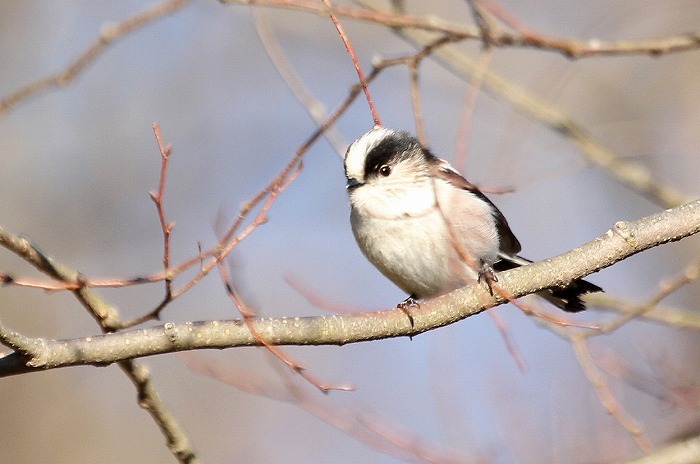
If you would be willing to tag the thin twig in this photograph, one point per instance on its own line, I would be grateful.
(465, 120)
(689, 274)
(210, 258)
(512, 347)
(673, 317)
(355, 62)
(249, 316)
(606, 397)
(413, 63)
(166, 227)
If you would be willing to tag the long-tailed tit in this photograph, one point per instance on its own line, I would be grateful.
(425, 227)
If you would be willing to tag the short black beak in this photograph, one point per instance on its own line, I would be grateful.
(353, 183)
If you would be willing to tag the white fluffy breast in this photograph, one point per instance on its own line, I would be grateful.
(430, 240)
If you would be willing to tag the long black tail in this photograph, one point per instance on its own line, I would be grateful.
(567, 298)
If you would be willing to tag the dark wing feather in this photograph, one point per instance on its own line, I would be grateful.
(567, 298)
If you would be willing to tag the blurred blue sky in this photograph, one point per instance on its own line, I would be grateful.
(77, 165)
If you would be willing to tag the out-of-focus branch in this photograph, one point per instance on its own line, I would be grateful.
(685, 452)
(674, 317)
(623, 240)
(358, 421)
(314, 106)
(689, 274)
(626, 313)
(249, 317)
(605, 395)
(109, 34)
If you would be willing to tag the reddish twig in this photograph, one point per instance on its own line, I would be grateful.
(157, 197)
(416, 103)
(508, 340)
(413, 63)
(249, 316)
(465, 120)
(320, 301)
(560, 321)
(369, 428)
(606, 397)
(167, 227)
(355, 62)
(210, 258)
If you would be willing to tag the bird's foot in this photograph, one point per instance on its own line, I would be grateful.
(486, 273)
(406, 304)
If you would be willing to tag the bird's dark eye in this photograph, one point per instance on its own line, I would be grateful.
(385, 170)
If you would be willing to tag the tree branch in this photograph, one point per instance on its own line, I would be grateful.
(685, 452)
(569, 47)
(623, 240)
(109, 320)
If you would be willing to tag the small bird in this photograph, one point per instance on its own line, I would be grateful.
(425, 227)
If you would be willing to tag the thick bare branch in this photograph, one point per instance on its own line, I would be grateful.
(108, 318)
(623, 240)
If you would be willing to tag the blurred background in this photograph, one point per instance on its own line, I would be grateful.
(77, 164)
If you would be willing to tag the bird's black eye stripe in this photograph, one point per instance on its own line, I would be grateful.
(387, 153)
